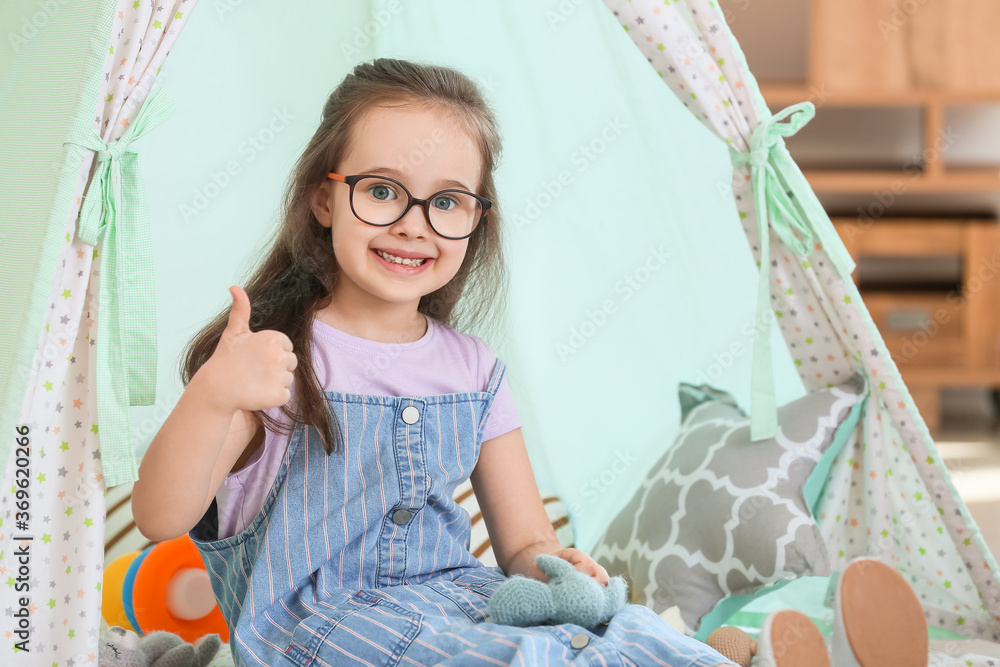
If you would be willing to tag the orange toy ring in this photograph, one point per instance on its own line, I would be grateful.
(149, 594)
(112, 605)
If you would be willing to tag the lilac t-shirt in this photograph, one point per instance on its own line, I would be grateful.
(443, 361)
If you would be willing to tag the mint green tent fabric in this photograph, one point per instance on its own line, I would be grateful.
(50, 70)
(115, 215)
(44, 82)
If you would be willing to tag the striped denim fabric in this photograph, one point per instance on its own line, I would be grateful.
(362, 557)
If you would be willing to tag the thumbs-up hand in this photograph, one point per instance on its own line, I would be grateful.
(251, 370)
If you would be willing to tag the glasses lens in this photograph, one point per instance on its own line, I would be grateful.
(454, 213)
(380, 202)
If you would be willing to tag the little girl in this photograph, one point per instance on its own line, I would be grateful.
(329, 416)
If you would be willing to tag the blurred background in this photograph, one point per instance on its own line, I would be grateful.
(904, 154)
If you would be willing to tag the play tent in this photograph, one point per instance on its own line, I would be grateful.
(633, 210)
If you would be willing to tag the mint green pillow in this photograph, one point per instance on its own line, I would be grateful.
(721, 519)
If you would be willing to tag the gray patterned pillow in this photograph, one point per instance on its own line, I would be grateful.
(719, 515)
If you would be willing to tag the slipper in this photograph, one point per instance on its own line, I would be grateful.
(878, 620)
(789, 638)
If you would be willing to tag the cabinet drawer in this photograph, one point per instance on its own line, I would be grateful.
(891, 45)
(924, 329)
(897, 238)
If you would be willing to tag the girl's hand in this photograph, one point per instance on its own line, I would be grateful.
(250, 370)
(584, 563)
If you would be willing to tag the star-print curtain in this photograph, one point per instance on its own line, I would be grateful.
(890, 497)
(100, 291)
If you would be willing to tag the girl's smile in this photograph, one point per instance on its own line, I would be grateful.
(400, 267)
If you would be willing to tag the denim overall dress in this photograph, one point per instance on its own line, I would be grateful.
(362, 557)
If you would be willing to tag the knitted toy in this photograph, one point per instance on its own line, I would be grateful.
(570, 596)
(123, 648)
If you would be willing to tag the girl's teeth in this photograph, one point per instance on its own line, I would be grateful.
(399, 260)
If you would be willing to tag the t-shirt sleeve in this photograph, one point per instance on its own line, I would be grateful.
(242, 493)
(504, 416)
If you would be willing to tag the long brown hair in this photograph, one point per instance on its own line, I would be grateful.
(299, 271)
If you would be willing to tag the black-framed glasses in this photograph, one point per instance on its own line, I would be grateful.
(378, 203)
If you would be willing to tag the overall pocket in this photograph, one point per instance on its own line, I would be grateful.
(472, 603)
(368, 630)
(484, 583)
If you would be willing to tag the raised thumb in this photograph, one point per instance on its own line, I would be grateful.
(239, 315)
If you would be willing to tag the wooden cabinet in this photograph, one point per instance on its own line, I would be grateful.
(904, 45)
(927, 174)
(934, 61)
(934, 57)
(943, 328)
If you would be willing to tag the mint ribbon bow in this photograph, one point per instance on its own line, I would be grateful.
(116, 210)
(777, 181)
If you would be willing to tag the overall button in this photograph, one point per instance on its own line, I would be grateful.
(579, 641)
(401, 516)
(410, 415)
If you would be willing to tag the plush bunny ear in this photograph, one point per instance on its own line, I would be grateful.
(554, 566)
(615, 594)
(159, 643)
(205, 649)
(181, 655)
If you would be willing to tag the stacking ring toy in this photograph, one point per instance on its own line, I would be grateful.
(127, 585)
(112, 604)
(172, 592)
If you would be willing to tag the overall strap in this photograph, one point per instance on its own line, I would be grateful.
(491, 388)
(494, 382)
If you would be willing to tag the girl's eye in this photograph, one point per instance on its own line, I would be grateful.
(444, 198)
(382, 192)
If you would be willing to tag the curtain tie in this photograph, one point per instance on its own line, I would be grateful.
(784, 201)
(115, 209)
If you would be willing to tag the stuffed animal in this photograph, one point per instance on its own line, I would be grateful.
(570, 596)
(123, 648)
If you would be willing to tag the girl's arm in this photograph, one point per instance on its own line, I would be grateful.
(188, 459)
(209, 428)
(514, 514)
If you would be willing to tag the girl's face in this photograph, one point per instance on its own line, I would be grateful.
(426, 151)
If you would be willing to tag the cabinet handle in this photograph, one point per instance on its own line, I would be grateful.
(912, 318)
